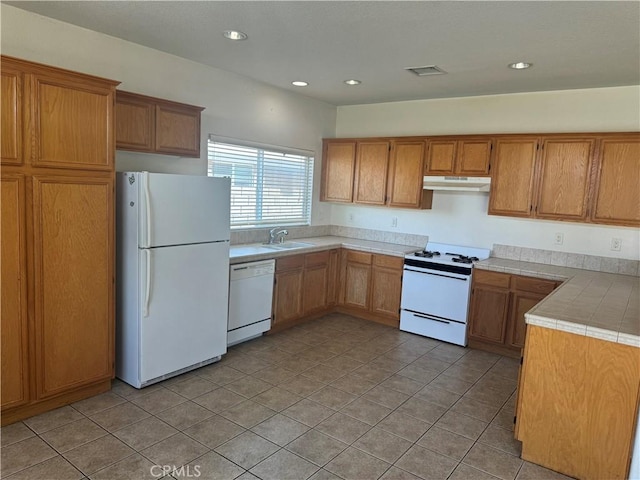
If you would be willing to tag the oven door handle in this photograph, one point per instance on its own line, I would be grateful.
(435, 274)
(427, 317)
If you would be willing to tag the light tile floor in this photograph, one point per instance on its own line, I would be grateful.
(334, 398)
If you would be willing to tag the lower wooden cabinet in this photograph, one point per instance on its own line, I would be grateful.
(74, 270)
(305, 285)
(314, 285)
(357, 279)
(371, 286)
(287, 291)
(386, 286)
(15, 346)
(363, 284)
(577, 403)
(498, 304)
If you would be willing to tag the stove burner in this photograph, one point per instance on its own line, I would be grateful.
(464, 259)
(427, 254)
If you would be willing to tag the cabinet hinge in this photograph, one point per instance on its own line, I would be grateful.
(489, 168)
(514, 419)
(389, 147)
(537, 146)
(530, 208)
(521, 360)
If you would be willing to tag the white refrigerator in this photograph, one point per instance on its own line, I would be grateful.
(172, 285)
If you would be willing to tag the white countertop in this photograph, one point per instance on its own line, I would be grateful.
(595, 304)
(258, 251)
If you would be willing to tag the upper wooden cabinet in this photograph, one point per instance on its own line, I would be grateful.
(616, 199)
(374, 172)
(584, 178)
(338, 164)
(465, 156)
(565, 167)
(405, 176)
(372, 167)
(513, 175)
(80, 111)
(154, 125)
(55, 118)
(11, 115)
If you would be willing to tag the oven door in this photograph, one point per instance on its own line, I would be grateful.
(442, 295)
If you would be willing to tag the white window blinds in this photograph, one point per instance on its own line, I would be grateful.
(268, 187)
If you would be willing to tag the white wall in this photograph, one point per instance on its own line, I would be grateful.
(236, 106)
(462, 217)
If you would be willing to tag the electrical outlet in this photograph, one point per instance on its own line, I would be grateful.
(394, 221)
(616, 244)
(559, 238)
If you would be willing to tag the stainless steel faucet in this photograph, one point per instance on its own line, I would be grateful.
(277, 233)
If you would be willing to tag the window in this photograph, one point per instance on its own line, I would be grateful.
(268, 187)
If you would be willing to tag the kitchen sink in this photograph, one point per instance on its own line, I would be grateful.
(287, 245)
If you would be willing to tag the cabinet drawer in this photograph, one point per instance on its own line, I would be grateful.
(359, 257)
(494, 279)
(388, 261)
(535, 285)
(317, 258)
(289, 263)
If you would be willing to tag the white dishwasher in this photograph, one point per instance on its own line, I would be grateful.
(250, 296)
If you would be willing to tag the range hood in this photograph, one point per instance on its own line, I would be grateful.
(460, 184)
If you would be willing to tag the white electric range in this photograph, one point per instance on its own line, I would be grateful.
(436, 289)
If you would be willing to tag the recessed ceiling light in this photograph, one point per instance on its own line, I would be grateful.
(234, 35)
(352, 82)
(299, 83)
(520, 65)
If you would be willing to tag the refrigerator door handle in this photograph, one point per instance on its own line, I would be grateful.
(147, 291)
(147, 197)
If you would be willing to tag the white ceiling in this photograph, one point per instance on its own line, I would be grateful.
(574, 44)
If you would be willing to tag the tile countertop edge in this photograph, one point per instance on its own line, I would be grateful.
(319, 244)
(569, 277)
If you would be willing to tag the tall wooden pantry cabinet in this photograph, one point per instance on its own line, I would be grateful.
(57, 157)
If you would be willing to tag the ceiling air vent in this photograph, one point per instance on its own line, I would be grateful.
(427, 70)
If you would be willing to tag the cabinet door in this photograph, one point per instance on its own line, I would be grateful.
(616, 193)
(357, 279)
(372, 163)
(74, 266)
(473, 157)
(135, 123)
(15, 368)
(333, 283)
(441, 157)
(178, 130)
(512, 179)
(72, 123)
(338, 164)
(314, 291)
(287, 295)
(565, 167)
(521, 303)
(488, 319)
(386, 286)
(405, 174)
(11, 115)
